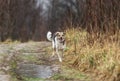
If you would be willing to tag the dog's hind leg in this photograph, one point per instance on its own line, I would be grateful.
(53, 52)
(60, 59)
(62, 53)
(54, 49)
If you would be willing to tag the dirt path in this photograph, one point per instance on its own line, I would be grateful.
(31, 61)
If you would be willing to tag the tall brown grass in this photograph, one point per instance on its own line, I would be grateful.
(98, 56)
(96, 50)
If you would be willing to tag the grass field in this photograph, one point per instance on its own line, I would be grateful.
(97, 56)
(86, 56)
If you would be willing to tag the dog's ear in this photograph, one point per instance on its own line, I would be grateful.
(57, 33)
(64, 33)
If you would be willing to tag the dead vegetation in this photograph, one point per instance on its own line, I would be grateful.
(98, 56)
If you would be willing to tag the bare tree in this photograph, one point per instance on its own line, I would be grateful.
(31, 19)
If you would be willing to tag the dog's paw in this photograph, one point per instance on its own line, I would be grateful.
(60, 60)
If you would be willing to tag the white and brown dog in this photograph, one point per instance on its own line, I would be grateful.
(58, 43)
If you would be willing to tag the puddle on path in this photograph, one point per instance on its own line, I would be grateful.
(4, 77)
(37, 71)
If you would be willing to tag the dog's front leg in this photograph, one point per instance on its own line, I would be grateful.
(60, 59)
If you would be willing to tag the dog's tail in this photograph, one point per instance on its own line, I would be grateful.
(49, 36)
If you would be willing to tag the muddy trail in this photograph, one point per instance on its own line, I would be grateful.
(32, 61)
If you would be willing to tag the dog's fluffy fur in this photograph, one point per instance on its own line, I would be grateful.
(58, 43)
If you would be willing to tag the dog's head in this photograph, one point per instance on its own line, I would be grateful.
(60, 36)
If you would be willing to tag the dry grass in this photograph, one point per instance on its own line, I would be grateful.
(99, 56)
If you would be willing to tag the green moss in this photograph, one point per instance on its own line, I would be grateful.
(32, 79)
(70, 74)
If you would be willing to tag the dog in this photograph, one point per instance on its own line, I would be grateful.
(58, 43)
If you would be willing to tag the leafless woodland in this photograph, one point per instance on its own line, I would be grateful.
(30, 19)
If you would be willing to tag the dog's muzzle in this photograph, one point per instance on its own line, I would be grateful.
(62, 40)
